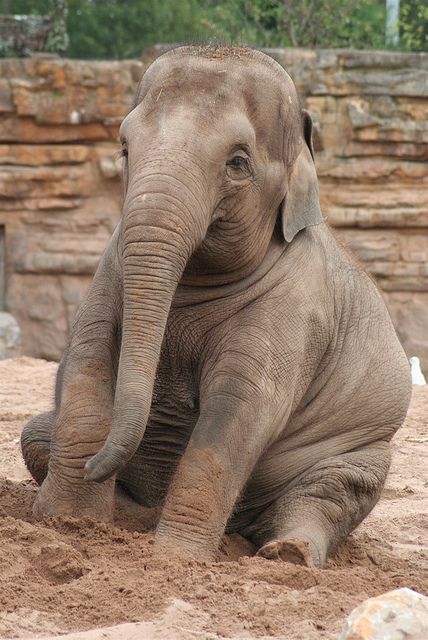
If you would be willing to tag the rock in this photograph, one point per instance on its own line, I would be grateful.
(396, 615)
(409, 312)
(36, 155)
(6, 99)
(111, 167)
(10, 336)
(398, 260)
(42, 182)
(26, 130)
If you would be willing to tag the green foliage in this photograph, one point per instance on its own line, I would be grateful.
(29, 30)
(307, 23)
(123, 28)
(26, 7)
(316, 23)
(58, 40)
(414, 25)
(118, 28)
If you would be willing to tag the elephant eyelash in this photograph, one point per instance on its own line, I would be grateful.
(238, 162)
(124, 149)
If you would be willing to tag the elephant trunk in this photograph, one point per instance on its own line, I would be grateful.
(159, 235)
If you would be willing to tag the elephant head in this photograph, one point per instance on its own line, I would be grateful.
(217, 151)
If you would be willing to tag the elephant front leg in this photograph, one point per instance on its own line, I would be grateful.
(232, 431)
(84, 401)
(80, 429)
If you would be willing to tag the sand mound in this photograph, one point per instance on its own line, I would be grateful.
(65, 575)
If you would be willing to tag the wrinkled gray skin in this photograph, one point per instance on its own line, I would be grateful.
(231, 363)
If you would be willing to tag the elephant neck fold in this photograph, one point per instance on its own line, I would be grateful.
(263, 277)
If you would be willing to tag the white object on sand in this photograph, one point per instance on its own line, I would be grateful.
(417, 375)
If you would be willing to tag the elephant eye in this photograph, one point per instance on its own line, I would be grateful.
(237, 162)
(238, 167)
(124, 150)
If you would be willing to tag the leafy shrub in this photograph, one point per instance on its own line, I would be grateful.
(123, 28)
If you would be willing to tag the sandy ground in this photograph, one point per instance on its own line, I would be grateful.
(66, 575)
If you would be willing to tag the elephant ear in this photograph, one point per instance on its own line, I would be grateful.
(300, 207)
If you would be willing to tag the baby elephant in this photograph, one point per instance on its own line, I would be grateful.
(231, 363)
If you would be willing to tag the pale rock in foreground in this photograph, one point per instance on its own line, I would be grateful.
(401, 614)
(10, 336)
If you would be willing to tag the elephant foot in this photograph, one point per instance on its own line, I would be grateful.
(77, 500)
(294, 550)
(184, 552)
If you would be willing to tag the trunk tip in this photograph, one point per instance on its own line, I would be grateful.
(100, 467)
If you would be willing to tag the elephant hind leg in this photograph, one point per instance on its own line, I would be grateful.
(322, 506)
(36, 443)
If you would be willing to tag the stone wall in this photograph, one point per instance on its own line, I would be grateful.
(60, 191)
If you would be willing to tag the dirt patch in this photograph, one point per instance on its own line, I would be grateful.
(66, 575)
